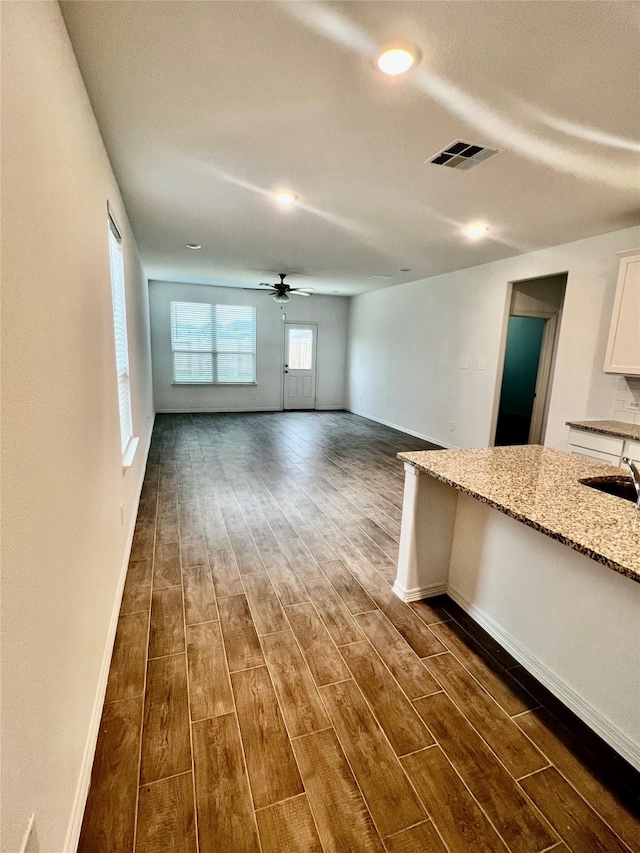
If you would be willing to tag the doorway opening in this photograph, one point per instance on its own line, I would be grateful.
(300, 346)
(529, 354)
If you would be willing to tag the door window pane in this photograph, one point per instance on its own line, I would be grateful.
(300, 349)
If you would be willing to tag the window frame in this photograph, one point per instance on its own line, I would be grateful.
(128, 440)
(213, 351)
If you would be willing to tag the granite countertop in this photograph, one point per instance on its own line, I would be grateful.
(619, 429)
(540, 487)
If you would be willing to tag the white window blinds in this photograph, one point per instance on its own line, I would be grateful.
(120, 331)
(213, 344)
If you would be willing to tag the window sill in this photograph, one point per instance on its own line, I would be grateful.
(129, 455)
(214, 384)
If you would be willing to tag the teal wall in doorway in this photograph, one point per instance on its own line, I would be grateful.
(522, 355)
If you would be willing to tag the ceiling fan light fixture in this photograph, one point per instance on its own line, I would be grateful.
(285, 198)
(395, 60)
(194, 246)
(281, 298)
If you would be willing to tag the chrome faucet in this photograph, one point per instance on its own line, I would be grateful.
(635, 476)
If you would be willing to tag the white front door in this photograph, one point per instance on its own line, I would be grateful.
(300, 366)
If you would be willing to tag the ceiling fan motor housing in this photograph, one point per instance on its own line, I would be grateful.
(281, 289)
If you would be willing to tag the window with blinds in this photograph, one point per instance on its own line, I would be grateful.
(120, 331)
(213, 344)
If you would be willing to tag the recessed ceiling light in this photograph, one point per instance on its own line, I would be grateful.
(194, 246)
(285, 198)
(395, 60)
(476, 231)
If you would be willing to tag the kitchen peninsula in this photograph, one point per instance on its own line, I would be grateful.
(547, 565)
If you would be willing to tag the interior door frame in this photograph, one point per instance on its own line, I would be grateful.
(283, 385)
(543, 378)
(548, 355)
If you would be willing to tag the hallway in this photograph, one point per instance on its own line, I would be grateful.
(268, 692)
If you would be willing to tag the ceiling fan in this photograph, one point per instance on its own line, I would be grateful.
(282, 292)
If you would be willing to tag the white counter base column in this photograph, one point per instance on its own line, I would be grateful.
(426, 536)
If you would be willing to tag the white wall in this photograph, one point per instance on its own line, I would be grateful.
(406, 344)
(63, 543)
(329, 312)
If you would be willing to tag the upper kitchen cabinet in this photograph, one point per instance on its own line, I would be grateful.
(623, 349)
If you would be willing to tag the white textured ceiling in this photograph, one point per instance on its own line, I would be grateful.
(207, 107)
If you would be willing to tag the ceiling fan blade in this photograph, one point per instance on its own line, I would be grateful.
(299, 291)
(264, 284)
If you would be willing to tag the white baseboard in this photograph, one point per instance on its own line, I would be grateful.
(227, 410)
(591, 716)
(82, 790)
(419, 592)
(222, 410)
(421, 435)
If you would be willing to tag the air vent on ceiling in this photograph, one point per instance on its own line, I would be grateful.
(462, 155)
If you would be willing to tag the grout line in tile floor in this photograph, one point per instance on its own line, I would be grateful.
(514, 717)
(171, 655)
(165, 778)
(533, 772)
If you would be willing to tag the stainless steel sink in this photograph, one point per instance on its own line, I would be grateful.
(621, 487)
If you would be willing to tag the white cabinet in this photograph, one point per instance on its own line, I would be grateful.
(592, 445)
(602, 448)
(623, 348)
(632, 450)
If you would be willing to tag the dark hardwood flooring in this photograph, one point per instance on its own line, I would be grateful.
(269, 693)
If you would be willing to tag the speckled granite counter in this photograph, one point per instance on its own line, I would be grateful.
(540, 488)
(618, 429)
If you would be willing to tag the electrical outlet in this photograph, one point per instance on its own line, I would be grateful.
(253, 395)
(464, 364)
(634, 406)
(452, 426)
(482, 364)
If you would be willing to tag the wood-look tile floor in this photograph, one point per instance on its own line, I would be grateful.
(269, 693)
